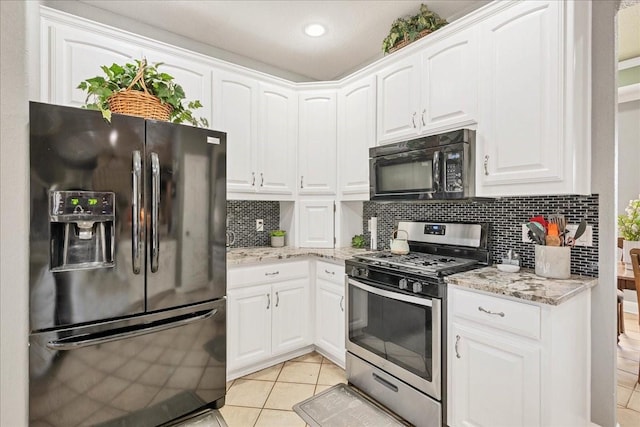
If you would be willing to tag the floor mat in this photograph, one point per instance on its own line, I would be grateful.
(340, 406)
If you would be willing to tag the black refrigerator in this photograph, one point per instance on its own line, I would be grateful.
(127, 269)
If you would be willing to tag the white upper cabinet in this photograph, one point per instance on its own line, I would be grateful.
(356, 133)
(449, 82)
(432, 90)
(527, 141)
(399, 100)
(236, 113)
(277, 139)
(317, 142)
(73, 55)
(194, 77)
(260, 121)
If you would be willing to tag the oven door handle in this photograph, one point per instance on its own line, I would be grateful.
(392, 295)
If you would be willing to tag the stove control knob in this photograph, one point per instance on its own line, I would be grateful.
(403, 284)
(354, 271)
(417, 287)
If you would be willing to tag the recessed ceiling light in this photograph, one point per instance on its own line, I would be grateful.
(315, 30)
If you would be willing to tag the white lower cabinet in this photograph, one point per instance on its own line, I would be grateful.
(330, 311)
(268, 312)
(514, 363)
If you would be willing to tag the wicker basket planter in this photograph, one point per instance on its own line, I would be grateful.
(406, 40)
(139, 103)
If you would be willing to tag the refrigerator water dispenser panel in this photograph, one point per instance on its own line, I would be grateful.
(82, 230)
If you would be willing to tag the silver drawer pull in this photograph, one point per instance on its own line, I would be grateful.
(457, 342)
(275, 273)
(341, 301)
(330, 272)
(501, 314)
(268, 301)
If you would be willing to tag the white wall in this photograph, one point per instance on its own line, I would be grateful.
(628, 170)
(628, 153)
(14, 216)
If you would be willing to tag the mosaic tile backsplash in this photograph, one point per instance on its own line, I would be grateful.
(504, 215)
(241, 220)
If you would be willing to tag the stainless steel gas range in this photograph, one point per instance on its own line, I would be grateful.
(396, 331)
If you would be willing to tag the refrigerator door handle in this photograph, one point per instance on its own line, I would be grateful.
(75, 342)
(135, 220)
(155, 207)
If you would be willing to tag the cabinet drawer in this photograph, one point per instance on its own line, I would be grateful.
(331, 272)
(511, 316)
(267, 273)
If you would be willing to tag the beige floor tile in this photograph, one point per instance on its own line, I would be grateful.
(331, 374)
(300, 372)
(268, 374)
(623, 394)
(321, 387)
(628, 417)
(627, 379)
(229, 384)
(238, 416)
(626, 353)
(630, 366)
(312, 357)
(634, 401)
(285, 395)
(252, 393)
(275, 418)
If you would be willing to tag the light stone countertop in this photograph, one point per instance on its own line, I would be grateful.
(523, 285)
(251, 255)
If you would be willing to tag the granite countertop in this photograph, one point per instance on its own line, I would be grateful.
(249, 255)
(523, 285)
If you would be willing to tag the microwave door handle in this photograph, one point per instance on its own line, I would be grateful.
(436, 171)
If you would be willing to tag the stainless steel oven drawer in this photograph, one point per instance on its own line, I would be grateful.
(412, 405)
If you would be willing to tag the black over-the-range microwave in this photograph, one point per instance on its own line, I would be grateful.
(437, 167)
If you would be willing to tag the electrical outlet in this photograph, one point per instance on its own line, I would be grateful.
(585, 240)
(259, 224)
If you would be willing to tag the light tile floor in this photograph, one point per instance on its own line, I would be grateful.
(265, 398)
(628, 360)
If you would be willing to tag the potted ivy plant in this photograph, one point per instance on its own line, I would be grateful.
(137, 83)
(406, 30)
(277, 238)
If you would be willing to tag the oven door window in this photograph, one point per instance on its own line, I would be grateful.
(407, 174)
(398, 331)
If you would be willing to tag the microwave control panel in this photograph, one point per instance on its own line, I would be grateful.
(453, 167)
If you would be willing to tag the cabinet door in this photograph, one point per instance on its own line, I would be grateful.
(249, 325)
(494, 381)
(235, 112)
(330, 318)
(290, 315)
(316, 223)
(277, 124)
(193, 75)
(317, 142)
(76, 55)
(449, 82)
(356, 133)
(520, 138)
(399, 100)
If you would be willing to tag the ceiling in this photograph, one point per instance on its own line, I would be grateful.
(272, 31)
